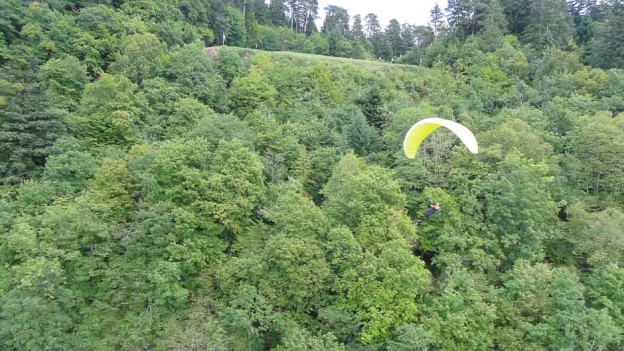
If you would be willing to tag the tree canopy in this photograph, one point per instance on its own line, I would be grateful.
(161, 191)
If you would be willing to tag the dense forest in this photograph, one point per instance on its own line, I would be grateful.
(160, 191)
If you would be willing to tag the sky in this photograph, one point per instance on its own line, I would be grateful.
(405, 11)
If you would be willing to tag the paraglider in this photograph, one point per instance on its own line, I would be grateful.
(432, 209)
(421, 130)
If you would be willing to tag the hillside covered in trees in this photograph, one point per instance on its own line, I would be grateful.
(157, 193)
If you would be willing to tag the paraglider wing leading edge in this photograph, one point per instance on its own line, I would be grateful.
(421, 130)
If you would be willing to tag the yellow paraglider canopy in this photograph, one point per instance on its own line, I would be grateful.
(425, 127)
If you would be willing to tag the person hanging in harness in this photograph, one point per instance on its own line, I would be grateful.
(433, 209)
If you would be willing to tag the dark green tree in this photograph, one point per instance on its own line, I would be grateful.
(336, 19)
(597, 144)
(395, 39)
(606, 48)
(251, 91)
(437, 19)
(549, 24)
(192, 71)
(229, 65)
(277, 11)
(357, 29)
(140, 56)
(28, 125)
(462, 316)
(108, 112)
(519, 209)
(372, 25)
(65, 80)
(517, 13)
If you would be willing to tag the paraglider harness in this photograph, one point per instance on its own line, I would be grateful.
(433, 209)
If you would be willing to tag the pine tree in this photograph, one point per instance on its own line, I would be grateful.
(277, 11)
(261, 12)
(460, 14)
(28, 127)
(372, 25)
(468, 17)
(494, 26)
(357, 30)
(517, 12)
(437, 19)
(549, 24)
(393, 33)
(607, 49)
(336, 18)
(579, 8)
(300, 12)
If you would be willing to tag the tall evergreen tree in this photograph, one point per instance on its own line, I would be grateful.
(28, 127)
(408, 36)
(437, 19)
(261, 12)
(494, 26)
(422, 37)
(381, 46)
(461, 17)
(300, 12)
(336, 18)
(277, 13)
(468, 17)
(311, 25)
(357, 30)
(393, 33)
(579, 8)
(517, 12)
(372, 25)
(360, 42)
(607, 48)
(549, 24)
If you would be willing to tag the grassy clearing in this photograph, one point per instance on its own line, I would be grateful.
(307, 59)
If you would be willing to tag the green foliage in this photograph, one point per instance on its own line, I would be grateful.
(599, 143)
(358, 136)
(558, 318)
(410, 337)
(139, 57)
(381, 290)
(515, 135)
(223, 184)
(462, 316)
(192, 73)
(108, 112)
(36, 314)
(252, 91)
(548, 24)
(605, 291)
(28, 125)
(157, 194)
(229, 65)
(230, 29)
(519, 208)
(289, 212)
(65, 80)
(356, 190)
(605, 49)
(185, 116)
(111, 188)
(70, 170)
(176, 33)
(597, 236)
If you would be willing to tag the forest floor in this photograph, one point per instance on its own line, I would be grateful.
(311, 58)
